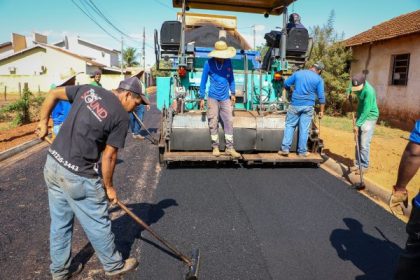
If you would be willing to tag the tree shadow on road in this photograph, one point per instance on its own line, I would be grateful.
(376, 258)
(126, 230)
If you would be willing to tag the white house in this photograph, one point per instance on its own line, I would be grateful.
(95, 52)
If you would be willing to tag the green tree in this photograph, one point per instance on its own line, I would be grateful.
(162, 72)
(329, 48)
(129, 57)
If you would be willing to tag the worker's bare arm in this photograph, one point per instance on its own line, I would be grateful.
(52, 97)
(410, 163)
(109, 160)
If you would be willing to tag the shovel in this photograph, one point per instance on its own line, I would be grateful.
(193, 263)
(361, 184)
(154, 140)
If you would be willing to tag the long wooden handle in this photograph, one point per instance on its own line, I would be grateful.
(48, 140)
(152, 232)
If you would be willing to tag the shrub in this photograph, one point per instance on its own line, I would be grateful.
(22, 108)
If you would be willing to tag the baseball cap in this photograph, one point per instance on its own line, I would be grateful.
(357, 82)
(97, 72)
(132, 84)
(319, 65)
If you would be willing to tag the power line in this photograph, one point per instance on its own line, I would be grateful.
(95, 8)
(164, 5)
(92, 19)
(101, 14)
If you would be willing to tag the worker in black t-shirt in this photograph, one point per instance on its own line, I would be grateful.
(97, 124)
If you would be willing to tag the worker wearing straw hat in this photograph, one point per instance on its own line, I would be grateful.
(221, 95)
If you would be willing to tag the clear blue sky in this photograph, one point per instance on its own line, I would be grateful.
(58, 17)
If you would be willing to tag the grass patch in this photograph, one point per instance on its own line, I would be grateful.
(5, 126)
(346, 124)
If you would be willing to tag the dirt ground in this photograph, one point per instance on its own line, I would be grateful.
(13, 137)
(386, 150)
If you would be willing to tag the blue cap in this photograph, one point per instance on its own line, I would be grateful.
(132, 84)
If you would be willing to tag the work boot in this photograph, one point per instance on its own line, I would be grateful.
(232, 153)
(129, 264)
(305, 154)
(216, 152)
(283, 153)
(74, 270)
(397, 201)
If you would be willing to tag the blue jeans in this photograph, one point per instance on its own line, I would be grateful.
(365, 137)
(134, 124)
(300, 116)
(70, 195)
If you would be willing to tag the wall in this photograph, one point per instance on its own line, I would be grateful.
(397, 104)
(99, 55)
(27, 63)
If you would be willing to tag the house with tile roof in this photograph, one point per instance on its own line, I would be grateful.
(389, 56)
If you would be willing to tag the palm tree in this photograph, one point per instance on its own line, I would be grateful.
(129, 57)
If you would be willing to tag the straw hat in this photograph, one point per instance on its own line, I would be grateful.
(221, 50)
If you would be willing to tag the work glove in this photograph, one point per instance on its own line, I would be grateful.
(398, 201)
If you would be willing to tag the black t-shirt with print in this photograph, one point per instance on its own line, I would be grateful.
(96, 119)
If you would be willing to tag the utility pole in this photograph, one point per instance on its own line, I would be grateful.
(254, 34)
(122, 56)
(144, 56)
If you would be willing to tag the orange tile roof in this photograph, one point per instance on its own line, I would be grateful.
(395, 27)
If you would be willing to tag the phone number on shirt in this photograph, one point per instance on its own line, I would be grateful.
(65, 163)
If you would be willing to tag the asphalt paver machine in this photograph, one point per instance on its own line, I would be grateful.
(260, 110)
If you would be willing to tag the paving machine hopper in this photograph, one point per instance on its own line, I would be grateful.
(261, 101)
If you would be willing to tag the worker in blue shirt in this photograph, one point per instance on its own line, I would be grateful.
(308, 85)
(221, 95)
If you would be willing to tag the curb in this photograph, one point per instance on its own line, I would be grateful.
(18, 149)
(373, 189)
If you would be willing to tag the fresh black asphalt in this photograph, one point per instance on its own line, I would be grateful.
(249, 223)
(264, 223)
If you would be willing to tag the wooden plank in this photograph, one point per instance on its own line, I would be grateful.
(252, 158)
(275, 157)
(195, 156)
